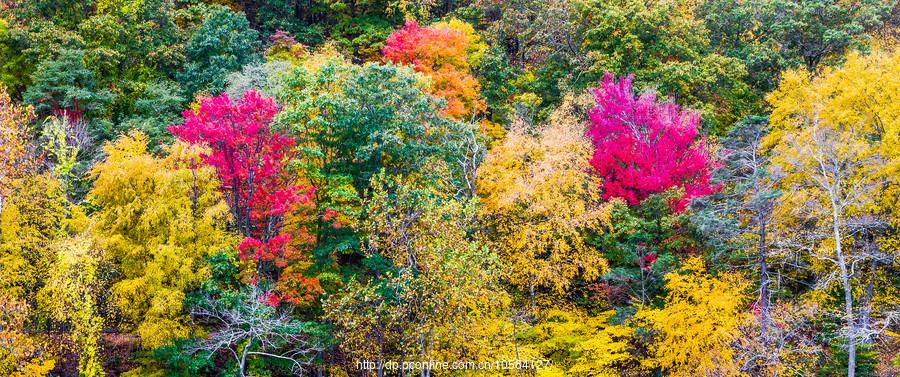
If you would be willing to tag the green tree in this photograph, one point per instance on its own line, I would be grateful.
(222, 44)
(430, 282)
(352, 121)
(643, 245)
(16, 68)
(741, 213)
(769, 36)
(156, 107)
(64, 86)
(66, 14)
(130, 45)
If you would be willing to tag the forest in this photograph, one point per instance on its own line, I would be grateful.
(272, 188)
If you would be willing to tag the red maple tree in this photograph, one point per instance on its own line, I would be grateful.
(439, 52)
(250, 161)
(644, 147)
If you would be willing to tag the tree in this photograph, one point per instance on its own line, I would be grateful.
(643, 147)
(580, 344)
(444, 52)
(698, 322)
(32, 219)
(16, 68)
(249, 327)
(71, 294)
(829, 176)
(64, 147)
(14, 144)
(428, 284)
(222, 44)
(68, 15)
(645, 242)
(119, 48)
(497, 77)
(787, 344)
(157, 218)
(742, 212)
(134, 42)
(353, 121)
(540, 204)
(130, 44)
(851, 95)
(157, 107)
(250, 160)
(771, 36)
(665, 47)
(569, 45)
(65, 87)
(37, 253)
(833, 136)
(543, 41)
(535, 32)
(267, 78)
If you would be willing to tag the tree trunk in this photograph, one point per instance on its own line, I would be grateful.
(250, 7)
(642, 267)
(243, 365)
(763, 276)
(380, 338)
(422, 353)
(533, 303)
(848, 292)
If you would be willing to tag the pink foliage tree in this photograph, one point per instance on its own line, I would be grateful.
(644, 147)
(402, 45)
(250, 161)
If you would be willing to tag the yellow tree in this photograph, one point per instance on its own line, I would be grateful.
(835, 140)
(71, 296)
(31, 221)
(539, 203)
(157, 219)
(47, 273)
(700, 318)
(578, 344)
(14, 161)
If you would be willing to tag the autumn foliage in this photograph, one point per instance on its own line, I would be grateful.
(250, 161)
(443, 53)
(378, 188)
(644, 147)
(701, 315)
(13, 140)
